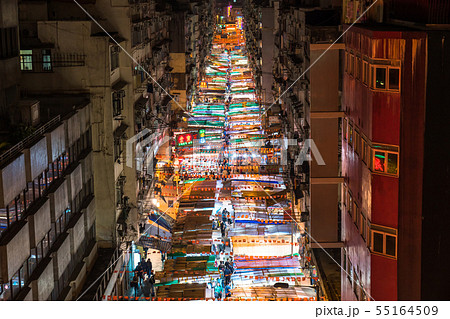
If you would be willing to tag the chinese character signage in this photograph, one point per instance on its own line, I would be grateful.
(184, 139)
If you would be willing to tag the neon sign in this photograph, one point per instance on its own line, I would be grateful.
(185, 139)
(239, 22)
(201, 135)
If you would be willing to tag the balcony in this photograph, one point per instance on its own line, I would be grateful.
(47, 62)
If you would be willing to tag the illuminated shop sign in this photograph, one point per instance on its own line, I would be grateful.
(201, 135)
(186, 139)
(239, 22)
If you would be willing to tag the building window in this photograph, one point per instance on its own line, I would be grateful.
(362, 225)
(344, 128)
(345, 196)
(114, 57)
(344, 260)
(117, 99)
(357, 141)
(26, 60)
(379, 161)
(358, 68)
(384, 240)
(67, 214)
(394, 79)
(366, 73)
(117, 148)
(350, 203)
(352, 64)
(32, 260)
(349, 271)
(46, 60)
(356, 284)
(371, 77)
(346, 61)
(368, 157)
(350, 135)
(385, 159)
(380, 78)
(363, 149)
(58, 226)
(120, 190)
(355, 214)
(387, 78)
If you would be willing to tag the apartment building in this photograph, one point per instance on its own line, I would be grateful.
(83, 58)
(309, 91)
(353, 10)
(191, 29)
(64, 53)
(392, 175)
(253, 41)
(47, 215)
(385, 146)
(47, 207)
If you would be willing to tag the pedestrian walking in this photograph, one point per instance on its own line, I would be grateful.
(146, 289)
(224, 215)
(227, 275)
(139, 271)
(149, 267)
(222, 229)
(152, 281)
(227, 291)
(218, 291)
(144, 268)
(135, 283)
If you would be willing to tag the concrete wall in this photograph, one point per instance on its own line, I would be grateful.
(36, 160)
(324, 97)
(43, 286)
(324, 212)
(73, 128)
(76, 182)
(90, 214)
(178, 62)
(59, 200)
(56, 143)
(77, 284)
(78, 233)
(15, 252)
(86, 165)
(12, 180)
(40, 223)
(63, 257)
(8, 13)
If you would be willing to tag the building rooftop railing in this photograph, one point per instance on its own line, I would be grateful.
(29, 140)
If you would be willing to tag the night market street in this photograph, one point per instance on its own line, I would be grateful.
(234, 236)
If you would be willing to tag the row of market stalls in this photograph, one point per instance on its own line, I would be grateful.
(226, 159)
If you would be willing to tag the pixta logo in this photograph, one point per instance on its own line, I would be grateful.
(252, 152)
(146, 148)
(308, 148)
